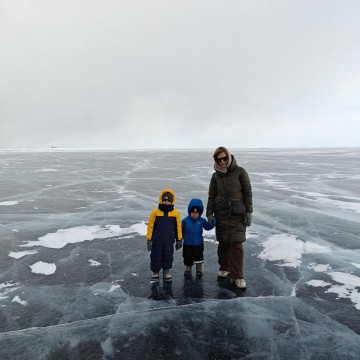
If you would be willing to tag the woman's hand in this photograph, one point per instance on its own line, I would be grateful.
(248, 219)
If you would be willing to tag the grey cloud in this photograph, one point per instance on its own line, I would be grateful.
(93, 74)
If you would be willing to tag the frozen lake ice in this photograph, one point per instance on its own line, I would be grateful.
(74, 267)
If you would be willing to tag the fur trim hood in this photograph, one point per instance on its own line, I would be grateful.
(169, 191)
(218, 151)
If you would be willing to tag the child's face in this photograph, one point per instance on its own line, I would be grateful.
(166, 202)
(194, 215)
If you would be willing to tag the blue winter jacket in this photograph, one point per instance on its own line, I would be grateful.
(192, 230)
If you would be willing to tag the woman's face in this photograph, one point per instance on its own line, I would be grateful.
(222, 160)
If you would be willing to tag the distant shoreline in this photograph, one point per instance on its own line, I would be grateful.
(55, 149)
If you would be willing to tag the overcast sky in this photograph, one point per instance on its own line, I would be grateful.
(179, 73)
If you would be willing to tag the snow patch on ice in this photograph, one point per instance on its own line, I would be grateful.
(94, 263)
(20, 254)
(288, 249)
(18, 300)
(114, 287)
(356, 265)
(210, 232)
(347, 289)
(251, 235)
(318, 283)
(46, 170)
(62, 237)
(351, 281)
(140, 228)
(9, 203)
(319, 267)
(6, 288)
(6, 285)
(210, 240)
(43, 268)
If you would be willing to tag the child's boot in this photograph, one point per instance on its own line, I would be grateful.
(187, 270)
(167, 275)
(199, 269)
(154, 277)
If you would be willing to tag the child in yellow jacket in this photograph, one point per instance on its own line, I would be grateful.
(164, 228)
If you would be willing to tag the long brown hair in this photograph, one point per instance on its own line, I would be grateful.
(219, 150)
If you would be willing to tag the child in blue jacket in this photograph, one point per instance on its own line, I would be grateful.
(192, 229)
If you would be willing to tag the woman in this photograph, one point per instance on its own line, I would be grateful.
(230, 183)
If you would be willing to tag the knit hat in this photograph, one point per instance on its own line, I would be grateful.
(195, 209)
(167, 196)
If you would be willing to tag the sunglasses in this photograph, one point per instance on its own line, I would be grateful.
(225, 158)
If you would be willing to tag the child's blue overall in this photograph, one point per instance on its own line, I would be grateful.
(162, 250)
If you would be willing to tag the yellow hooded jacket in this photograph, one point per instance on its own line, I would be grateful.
(164, 225)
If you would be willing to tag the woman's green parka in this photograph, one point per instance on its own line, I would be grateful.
(229, 228)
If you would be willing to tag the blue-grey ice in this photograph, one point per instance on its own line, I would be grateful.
(75, 274)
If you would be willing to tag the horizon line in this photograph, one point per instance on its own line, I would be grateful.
(54, 148)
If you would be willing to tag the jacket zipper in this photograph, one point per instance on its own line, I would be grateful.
(193, 231)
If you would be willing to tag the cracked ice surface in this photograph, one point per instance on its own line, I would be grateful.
(74, 268)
